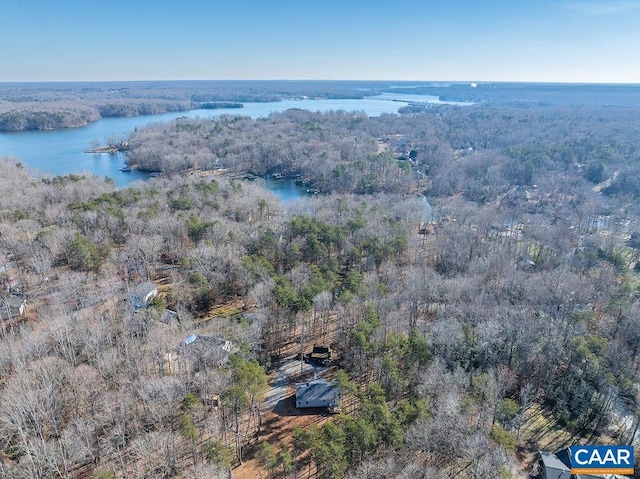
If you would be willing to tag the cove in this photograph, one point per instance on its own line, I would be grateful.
(61, 152)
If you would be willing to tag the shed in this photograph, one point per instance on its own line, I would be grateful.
(143, 294)
(318, 393)
(320, 353)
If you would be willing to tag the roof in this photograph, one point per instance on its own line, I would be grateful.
(213, 342)
(206, 350)
(11, 306)
(564, 457)
(551, 461)
(318, 390)
(321, 352)
(190, 339)
(144, 289)
(143, 294)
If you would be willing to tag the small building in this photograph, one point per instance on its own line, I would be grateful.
(143, 294)
(320, 354)
(12, 306)
(318, 393)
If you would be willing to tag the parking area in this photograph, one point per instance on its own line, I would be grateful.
(282, 383)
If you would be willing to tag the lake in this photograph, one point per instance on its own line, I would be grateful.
(61, 152)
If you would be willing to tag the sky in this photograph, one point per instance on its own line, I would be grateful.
(577, 41)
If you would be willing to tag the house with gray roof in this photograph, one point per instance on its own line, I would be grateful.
(143, 294)
(199, 351)
(318, 393)
(12, 306)
(550, 467)
(558, 466)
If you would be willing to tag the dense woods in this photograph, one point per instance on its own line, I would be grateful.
(331, 152)
(509, 299)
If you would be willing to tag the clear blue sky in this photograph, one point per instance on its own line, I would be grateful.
(465, 40)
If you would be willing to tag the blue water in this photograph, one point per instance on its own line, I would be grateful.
(61, 152)
(286, 190)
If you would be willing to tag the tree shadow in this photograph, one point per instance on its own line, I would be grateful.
(287, 407)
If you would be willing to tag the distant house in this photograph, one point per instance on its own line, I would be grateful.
(199, 350)
(318, 393)
(143, 294)
(558, 466)
(12, 306)
(211, 341)
(170, 316)
(10, 285)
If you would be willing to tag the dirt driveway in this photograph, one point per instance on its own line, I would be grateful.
(282, 384)
(279, 414)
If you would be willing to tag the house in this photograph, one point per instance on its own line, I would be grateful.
(143, 294)
(12, 306)
(212, 341)
(318, 393)
(199, 351)
(558, 466)
(550, 467)
(169, 316)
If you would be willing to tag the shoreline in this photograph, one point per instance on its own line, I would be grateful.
(106, 149)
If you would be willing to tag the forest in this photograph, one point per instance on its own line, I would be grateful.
(475, 271)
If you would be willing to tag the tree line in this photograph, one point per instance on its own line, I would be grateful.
(46, 106)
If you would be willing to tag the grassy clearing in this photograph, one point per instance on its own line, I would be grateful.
(541, 432)
(224, 311)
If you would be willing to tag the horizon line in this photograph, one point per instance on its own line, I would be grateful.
(476, 82)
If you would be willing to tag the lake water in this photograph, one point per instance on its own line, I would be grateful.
(286, 190)
(61, 152)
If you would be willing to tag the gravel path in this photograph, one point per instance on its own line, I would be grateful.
(286, 375)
